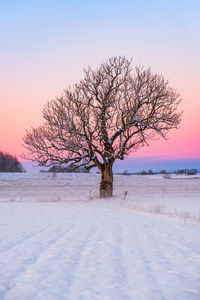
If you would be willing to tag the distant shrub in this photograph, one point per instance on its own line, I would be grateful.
(9, 163)
(68, 169)
(125, 173)
(180, 172)
(163, 172)
(143, 173)
(166, 176)
(187, 172)
(191, 172)
(150, 172)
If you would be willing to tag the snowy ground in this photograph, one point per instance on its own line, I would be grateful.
(59, 241)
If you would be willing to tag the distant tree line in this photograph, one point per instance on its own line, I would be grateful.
(178, 172)
(72, 168)
(150, 172)
(9, 163)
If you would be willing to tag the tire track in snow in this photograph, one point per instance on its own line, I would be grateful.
(160, 263)
(146, 249)
(57, 267)
(172, 253)
(100, 273)
(14, 245)
(25, 260)
(78, 258)
(141, 280)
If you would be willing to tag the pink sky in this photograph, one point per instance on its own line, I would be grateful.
(19, 111)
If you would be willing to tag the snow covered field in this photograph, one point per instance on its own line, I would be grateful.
(59, 241)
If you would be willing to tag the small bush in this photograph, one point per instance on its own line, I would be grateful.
(125, 173)
(163, 172)
(166, 176)
(143, 173)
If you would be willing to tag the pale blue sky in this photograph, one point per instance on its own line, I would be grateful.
(93, 30)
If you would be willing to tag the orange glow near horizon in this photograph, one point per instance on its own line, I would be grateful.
(183, 143)
(16, 117)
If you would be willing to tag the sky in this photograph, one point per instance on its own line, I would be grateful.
(46, 44)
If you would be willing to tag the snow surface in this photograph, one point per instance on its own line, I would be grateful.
(59, 241)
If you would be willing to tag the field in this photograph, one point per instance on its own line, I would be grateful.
(58, 240)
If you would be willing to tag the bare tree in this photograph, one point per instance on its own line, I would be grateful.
(115, 109)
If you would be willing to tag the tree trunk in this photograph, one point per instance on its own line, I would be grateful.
(106, 186)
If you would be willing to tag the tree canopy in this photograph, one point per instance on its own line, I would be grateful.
(112, 111)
